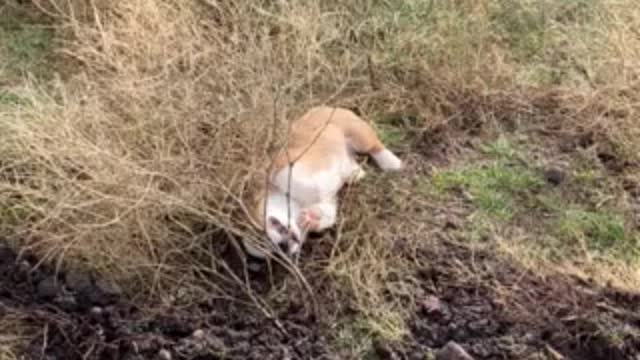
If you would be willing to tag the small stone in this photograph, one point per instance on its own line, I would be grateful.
(164, 354)
(432, 305)
(96, 310)
(554, 176)
(198, 334)
(48, 288)
(453, 351)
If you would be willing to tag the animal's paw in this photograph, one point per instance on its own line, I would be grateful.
(387, 160)
(309, 220)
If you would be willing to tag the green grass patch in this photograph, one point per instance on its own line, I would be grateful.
(390, 135)
(354, 337)
(8, 98)
(599, 231)
(502, 148)
(568, 219)
(395, 129)
(522, 24)
(24, 48)
(494, 187)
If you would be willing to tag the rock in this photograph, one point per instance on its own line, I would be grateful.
(555, 176)
(198, 334)
(77, 280)
(432, 305)
(164, 354)
(96, 310)
(453, 351)
(48, 288)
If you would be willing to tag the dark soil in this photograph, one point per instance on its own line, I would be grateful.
(501, 312)
(82, 317)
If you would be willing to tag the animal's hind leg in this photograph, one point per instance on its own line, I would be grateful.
(363, 139)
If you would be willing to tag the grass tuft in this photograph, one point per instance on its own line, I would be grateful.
(493, 187)
(599, 232)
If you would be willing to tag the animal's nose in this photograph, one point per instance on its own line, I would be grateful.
(284, 246)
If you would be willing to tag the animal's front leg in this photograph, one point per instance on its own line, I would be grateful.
(318, 217)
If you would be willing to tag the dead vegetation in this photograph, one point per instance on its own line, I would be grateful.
(134, 155)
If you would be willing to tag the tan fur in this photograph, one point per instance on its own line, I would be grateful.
(314, 137)
(321, 147)
(322, 131)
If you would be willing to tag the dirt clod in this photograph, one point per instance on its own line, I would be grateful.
(555, 176)
(48, 288)
(77, 281)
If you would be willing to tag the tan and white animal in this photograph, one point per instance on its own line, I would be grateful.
(322, 147)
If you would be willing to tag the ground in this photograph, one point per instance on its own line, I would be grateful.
(514, 230)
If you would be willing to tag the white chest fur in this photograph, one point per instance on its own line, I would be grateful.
(308, 186)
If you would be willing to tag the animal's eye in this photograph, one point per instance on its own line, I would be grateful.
(282, 230)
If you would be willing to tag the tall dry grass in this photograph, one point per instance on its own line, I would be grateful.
(161, 128)
(167, 111)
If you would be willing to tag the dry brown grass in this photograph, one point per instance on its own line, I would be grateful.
(167, 111)
(15, 332)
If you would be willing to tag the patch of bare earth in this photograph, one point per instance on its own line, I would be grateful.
(496, 310)
(490, 307)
